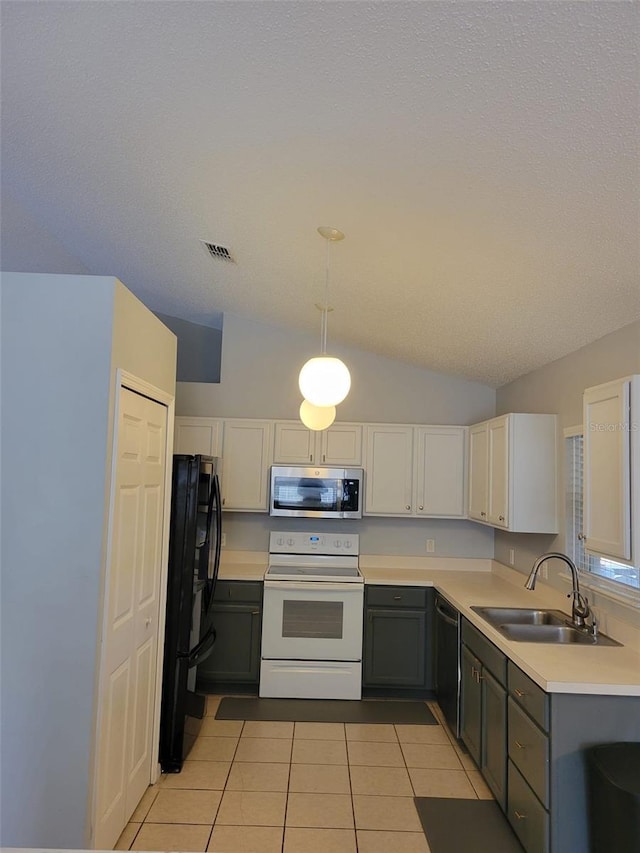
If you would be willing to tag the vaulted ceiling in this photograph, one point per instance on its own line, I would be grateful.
(481, 157)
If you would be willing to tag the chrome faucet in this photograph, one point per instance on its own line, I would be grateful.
(579, 604)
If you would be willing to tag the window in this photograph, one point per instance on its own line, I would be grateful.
(621, 575)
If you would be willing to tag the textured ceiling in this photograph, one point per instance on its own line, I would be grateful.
(481, 157)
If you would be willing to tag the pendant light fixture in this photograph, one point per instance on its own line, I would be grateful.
(325, 380)
(317, 417)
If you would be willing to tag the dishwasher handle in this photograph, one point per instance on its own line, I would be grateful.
(447, 616)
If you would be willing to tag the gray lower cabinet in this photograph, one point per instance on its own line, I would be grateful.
(530, 745)
(237, 619)
(484, 708)
(398, 651)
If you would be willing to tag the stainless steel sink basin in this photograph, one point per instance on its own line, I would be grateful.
(555, 634)
(530, 625)
(521, 616)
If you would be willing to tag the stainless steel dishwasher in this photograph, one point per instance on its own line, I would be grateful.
(448, 662)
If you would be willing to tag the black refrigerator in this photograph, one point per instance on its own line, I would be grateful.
(194, 558)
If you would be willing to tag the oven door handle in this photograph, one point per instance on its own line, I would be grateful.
(306, 586)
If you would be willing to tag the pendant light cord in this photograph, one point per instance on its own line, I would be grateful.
(325, 310)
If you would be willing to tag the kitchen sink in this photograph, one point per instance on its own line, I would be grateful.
(530, 625)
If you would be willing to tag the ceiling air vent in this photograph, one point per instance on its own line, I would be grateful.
(217, 251)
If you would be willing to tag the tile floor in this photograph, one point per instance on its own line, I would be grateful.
(253, 787)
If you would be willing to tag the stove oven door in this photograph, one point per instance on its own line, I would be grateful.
(312, 621)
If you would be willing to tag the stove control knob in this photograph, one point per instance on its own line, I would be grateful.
(279, 541)
(347, 544)
(290, 541)
(337, 543)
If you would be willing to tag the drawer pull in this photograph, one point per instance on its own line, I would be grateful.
(519, 693)
(520, 816)
(519, 745)
(397, 598)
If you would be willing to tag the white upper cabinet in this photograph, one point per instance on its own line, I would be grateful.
(612, 469)
(415, 471)
(340, 445)
(513, 473)
(440, 470)
(389, 470)
(198, 435)
(246, 456)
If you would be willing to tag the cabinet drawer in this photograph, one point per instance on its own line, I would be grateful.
(491, 657)
(529, 696)
(238, 591)
(529, 751)
(397, 596)
(530, 821)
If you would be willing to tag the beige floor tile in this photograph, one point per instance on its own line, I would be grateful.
(213, 749)
(479, 785)
(271, 750)
(371, 732)
(220, 728)
(246, 839)
(319, 731)
(168, 836)
(423, 734)
(212, 705)
(267, 729)
(252, 808)
(298, 839)
(258, 776)
(381, 781)
(438, 757)
(392, 842)
(176, 806)
(319, 779)
(375, 754)
(128, 834)
(329, 810)
(319, 752)
(441, 783)
(207, 775)
(142, 809)
(393, 813)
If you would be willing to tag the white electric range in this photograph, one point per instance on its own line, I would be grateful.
(312, 617)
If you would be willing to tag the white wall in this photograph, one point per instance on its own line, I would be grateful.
(63, 338)
(558, 387)
(259, 379)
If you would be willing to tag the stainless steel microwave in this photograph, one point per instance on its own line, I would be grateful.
(309, 492)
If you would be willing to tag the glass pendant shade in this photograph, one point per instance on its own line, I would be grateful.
(324, 381)
(317, 417)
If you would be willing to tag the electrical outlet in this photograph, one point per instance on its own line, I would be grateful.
(431, 546)
(223, 539)
(512, 556)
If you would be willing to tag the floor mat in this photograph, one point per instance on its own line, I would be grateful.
(326, 711)
(465, 826)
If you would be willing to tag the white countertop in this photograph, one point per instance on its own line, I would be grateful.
(605, 670)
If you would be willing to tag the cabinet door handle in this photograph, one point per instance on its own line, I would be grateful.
(255, 612)
(520, 816)
(324, 457)
(501, 518)
(519, 693)
(519, 745)
(407, 506)
(224, 500)
(420, 507)
(483, 514)
(311, 457)
(581, 537)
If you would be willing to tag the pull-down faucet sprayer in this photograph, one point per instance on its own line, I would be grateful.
(579, 604)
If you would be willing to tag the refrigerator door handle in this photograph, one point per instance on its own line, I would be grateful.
(203, 649)
(211, 582)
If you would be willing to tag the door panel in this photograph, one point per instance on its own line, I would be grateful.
(130, 634)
